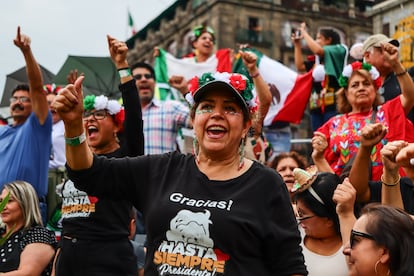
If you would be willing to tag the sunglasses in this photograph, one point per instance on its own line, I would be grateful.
(97, 115)
(21, 99)
(354, 234)
(146, 76)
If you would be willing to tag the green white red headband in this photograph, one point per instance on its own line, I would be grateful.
(238, 84)
(199, 30)
(357, 65)
(102, 102)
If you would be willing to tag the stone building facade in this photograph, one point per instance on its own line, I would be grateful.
(264, 24)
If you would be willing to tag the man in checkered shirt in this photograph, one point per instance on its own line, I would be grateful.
(162, 119)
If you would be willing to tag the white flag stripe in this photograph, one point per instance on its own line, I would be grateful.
(282, 77)
(188, 68)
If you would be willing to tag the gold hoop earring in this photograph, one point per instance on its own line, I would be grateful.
(375, 267)
(196, 148)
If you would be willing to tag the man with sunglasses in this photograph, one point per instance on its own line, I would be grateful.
(25, 144)
(162, 120)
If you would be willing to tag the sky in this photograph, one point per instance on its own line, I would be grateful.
(59, 28)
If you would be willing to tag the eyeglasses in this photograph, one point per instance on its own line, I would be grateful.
(97, 115)
(354, 233)
(146, 76)
(21, 99)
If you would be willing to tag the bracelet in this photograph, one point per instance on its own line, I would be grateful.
(401, 73)
(255, 75)
(75, 141)
(390, 185)
(124, 72)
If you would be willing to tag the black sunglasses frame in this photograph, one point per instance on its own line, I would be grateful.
(359, 234)
(146, 76)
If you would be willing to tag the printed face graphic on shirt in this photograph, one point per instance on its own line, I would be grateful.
(188, 249)
(76, 203)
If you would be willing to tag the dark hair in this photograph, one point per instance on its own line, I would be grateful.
(23, 87)
(332, 34)
(144, 65)
(394, 229)
(324, 186)
(299, 159)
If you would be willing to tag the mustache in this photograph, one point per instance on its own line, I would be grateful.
(18, 106)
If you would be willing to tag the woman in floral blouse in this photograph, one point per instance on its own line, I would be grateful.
(337, 141)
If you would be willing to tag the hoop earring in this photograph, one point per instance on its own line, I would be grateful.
(375, 267)
(196, 147)
(241, 153)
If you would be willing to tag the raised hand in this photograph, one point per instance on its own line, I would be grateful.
(69, 103)
(118, 51)
(22, 41)
(72, 76)
(250, 60)
(344, 196)
(319, 144)
(389, 153)
(156, 52)
(405, 159)
(179, 83)
(390, 53)
(371, 134)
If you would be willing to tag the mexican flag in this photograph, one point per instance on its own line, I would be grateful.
(166, 65)
(290, 90)
(131, 26)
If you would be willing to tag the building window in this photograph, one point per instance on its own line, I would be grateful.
(255, 29)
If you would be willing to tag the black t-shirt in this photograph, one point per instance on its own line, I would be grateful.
(99, 218)
(391, 89)
(407, 193)
(243, 226)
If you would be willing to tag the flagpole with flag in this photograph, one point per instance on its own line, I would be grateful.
(131, 25)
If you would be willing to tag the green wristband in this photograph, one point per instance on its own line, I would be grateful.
(75, 141)
(123, 73)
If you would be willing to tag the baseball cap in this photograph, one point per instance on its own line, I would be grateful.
(238, 84)
(376, 40)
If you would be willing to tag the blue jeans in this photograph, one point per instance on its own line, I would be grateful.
(279, 138)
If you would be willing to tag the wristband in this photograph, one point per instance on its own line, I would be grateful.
(390, 185)
(401, 73)
(75, 141)
(255, 75)
(124, 72)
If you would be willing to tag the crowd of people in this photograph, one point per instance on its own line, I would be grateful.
(81, 171)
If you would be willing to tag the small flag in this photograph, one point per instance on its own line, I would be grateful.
(131, 25)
